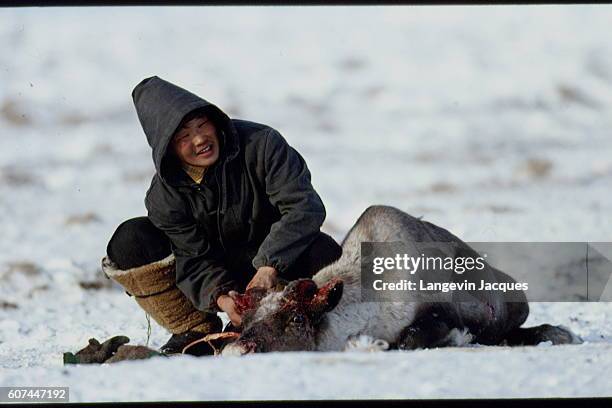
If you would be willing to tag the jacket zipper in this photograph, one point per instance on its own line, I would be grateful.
(218, 209)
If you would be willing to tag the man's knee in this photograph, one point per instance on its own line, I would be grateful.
(137, 242)
(323, 251)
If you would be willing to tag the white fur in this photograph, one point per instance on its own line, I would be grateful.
(232, 349)
(380, 320)
(352, 317)
(111, 269)
(268, 305)
(458, 337)
(363, 343)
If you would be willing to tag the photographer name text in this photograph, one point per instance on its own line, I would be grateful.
(457, 265)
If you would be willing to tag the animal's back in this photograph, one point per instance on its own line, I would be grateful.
(379, 223)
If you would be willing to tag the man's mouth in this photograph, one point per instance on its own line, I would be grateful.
(206, 149)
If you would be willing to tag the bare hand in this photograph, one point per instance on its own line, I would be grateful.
(265, 277)
(226, 303)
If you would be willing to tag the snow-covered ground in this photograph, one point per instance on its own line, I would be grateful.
(493, 122)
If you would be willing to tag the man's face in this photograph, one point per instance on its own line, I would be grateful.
(196, 143)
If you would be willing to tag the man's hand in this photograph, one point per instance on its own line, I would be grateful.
(265, 277)
(226, 303)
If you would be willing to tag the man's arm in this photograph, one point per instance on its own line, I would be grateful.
(288, 186)
(200, 273)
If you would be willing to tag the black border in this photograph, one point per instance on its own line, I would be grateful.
(591, 402)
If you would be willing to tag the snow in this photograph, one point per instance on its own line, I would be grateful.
(493, 122)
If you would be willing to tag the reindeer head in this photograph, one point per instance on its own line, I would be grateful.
(285, 320)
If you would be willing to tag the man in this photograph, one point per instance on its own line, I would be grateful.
(233, 201)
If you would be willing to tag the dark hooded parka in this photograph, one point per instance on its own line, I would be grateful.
(254, 207)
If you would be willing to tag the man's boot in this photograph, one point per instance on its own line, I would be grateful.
(154, 289)
(178, 342)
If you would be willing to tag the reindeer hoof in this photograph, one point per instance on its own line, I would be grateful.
(558, 335)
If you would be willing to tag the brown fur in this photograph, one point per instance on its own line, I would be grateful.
(154, 289)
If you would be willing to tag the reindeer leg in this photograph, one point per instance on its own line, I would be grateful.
(531, 336)
(435, 326)
(424, 333)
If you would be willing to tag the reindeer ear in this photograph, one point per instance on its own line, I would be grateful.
(327, 297)
(301, 290)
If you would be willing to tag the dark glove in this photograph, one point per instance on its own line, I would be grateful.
(127, 352)
(96, 353)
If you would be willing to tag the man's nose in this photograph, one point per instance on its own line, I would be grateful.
(198, 138)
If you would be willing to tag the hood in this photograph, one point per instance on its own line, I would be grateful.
(161, 106)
